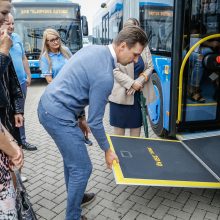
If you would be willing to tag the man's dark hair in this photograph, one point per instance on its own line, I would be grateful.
(131, 35)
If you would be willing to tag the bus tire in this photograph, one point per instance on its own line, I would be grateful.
(158, 126)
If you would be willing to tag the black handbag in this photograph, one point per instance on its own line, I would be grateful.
(23, 204)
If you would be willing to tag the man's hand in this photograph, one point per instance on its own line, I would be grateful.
(110, 156)
(6, 42)
(84, 126)
(17, 160)
(19, 120)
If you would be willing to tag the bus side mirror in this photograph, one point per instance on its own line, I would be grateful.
(84, 26)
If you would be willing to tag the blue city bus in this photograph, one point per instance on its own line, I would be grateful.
(184, 39)
(170, 28)
(32, 17)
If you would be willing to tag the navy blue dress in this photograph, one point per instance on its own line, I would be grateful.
(128, 116)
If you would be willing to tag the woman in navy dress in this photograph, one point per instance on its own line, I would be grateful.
(125, 109)
(128, 116)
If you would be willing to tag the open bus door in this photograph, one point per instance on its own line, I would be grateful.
(199, 78)
(192, 161)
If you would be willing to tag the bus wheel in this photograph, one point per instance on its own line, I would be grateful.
(155, 109)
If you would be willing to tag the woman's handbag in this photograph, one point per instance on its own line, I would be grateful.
(23, 205)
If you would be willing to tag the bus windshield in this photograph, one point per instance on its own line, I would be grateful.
(31, 33)
(157, 21)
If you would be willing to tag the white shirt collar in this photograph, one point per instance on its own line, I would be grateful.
(113, 53)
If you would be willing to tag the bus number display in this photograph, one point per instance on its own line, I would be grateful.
(44, 11)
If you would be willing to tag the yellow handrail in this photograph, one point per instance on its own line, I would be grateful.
(182, 71)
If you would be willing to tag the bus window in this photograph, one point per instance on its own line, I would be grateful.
(32, 33)
(157, 21)
(71, 35)
(115, 25)
(210, 15)
(120, 24)
(27, 47)
(108, 22)
(105, 29)
(207, 13)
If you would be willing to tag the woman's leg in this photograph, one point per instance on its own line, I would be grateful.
(197, 72)
(194, 90)
(22, 104)
(119, 131)
(135, 132)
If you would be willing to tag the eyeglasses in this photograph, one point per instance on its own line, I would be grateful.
(54, 40)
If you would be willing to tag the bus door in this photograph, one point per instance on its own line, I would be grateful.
(105, 29)
(199, 81)
(175, 163)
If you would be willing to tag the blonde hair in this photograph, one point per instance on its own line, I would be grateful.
(132, 21)
(45, 47)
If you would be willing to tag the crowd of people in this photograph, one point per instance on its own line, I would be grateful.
(74, 81)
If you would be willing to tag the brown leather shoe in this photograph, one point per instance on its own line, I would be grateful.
(83, 217)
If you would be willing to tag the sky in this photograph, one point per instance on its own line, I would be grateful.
(89, 8)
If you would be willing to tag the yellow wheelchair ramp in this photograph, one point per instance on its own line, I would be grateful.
(158, 162)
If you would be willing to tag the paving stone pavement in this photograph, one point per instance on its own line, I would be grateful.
(46, 187)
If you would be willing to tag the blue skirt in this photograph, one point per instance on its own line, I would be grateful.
(126, 116)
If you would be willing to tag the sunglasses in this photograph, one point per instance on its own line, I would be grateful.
(54, 40)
